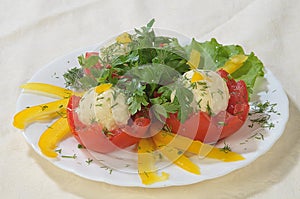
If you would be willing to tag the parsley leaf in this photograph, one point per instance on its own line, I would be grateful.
(181, 103)
(136, 95)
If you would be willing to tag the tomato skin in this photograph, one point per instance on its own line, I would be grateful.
(120, 136)
(210, 129)
(238, 102)
(93, 137)
(72, 117)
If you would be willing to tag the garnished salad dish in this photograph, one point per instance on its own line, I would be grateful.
(158, 103)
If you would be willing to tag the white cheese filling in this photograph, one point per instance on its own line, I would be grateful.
(210, 94)
(106, 109)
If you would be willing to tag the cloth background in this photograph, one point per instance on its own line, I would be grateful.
(34, 32)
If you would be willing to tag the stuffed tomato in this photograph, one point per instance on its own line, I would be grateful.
(209, 125)
(103, 132)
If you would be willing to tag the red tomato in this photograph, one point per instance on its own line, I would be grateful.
(98, 65)
(73, 117)
(210, 129)
(89, 54)
(94, 138)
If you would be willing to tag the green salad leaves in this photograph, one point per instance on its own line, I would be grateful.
(215, 55)
(147, 68)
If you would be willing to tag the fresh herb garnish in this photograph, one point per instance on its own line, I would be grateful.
(260, 114)
(89, 161)
(220, 123)
(80, 146)
(58, 151)
(257, 135)
(61, 114)
(208, 109)
(148, 64)
(107, 132)
(72, 77)
(44, 107)
(226, 148)
(55, 75)
(166, 128)
(88, 62)
(107, 168)
(69, 156)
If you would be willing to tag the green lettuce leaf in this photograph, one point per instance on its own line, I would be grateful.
(215, 55)
(249, 72)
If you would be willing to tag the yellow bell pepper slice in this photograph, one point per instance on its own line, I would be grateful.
(123, 38)
(102, 87)
(177, 157)
(47, 89)
(196, 147)
(146, 163)
(197, 76)
(52, 136)
(234, 63)
(194, 60)
(40, 112)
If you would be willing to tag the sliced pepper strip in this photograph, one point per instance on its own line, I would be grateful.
(196, 147)
(52, 136)
(177, 157)
(124, 38)
(48, 89)
(197, 76)
(102, 88)
(146, 163)
(234, 63)
(47, 111)
(194, 60)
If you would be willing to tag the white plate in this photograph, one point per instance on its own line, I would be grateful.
(244, 141)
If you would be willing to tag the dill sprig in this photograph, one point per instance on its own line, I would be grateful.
(260, 114)
(226, 148)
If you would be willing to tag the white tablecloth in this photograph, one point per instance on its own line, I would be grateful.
(34, 32)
